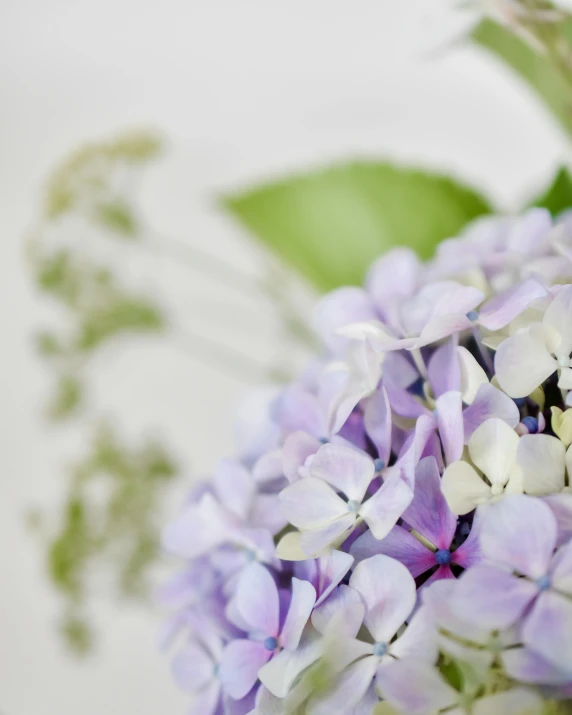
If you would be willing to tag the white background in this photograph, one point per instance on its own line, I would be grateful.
(242, 89)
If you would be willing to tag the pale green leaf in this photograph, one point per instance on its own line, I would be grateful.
(331, 224)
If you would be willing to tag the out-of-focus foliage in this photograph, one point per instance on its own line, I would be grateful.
(92, 180)
(558, 196)
(542, 57)
(330, 225)
(110, 518)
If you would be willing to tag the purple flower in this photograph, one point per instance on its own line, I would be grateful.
(388, 593)
(314, 505)
(522, 580)
(256, 609)
(429, 517)
(416, 688)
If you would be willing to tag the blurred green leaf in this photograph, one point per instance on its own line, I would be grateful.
(117, 315)
(331, 224)
(558, 196)
(116, 216)
(47, 344)
(112, 518)
(67, 397)
(536, 68)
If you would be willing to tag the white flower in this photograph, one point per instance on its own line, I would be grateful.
(544, 462)
(523, 361)
(492, 448)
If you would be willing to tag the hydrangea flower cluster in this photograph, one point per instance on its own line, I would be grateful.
(396, 535)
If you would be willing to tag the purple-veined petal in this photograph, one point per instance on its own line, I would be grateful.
(504, 307)
(403, 403)
(519, 533)
(542, 461)
(234, 487)
(443, 369)
(419, 640)
(518, 701)
(491, 598)
(398, 544)
(207, 701)
(303, 600)
(310, 503)
(469, 552)
(348, 689)
(377, 421)
(522, 362)
(257, 600)
(548, 626)
(429, 513)
(561, 569)
(192, 668)
(414, 687)
(450, 422)
(343, 612)
(489, 402)
(388, 591)
(527, 666)
(385, 507)
(346, 469)
(314, 541)
(297, 448)
(332, 567)
(241, 661)
(463, 488)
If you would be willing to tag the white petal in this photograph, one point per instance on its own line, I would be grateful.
(541, 459)
(493, 450)
(463, 488)
(388, 591)
(518, 701)
(522, 362)
(310, 503)
(346, 469)
(280, 673)
(314, 541)
(559, 317)
(289, 548)
(472, 375)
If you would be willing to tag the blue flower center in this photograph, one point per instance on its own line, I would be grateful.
(353, 505)
(543, 583)
(271, 643)
(443, 557)
(472, 315)
(323, 440)
(379, 649)
(379, 464)
(531, 424)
